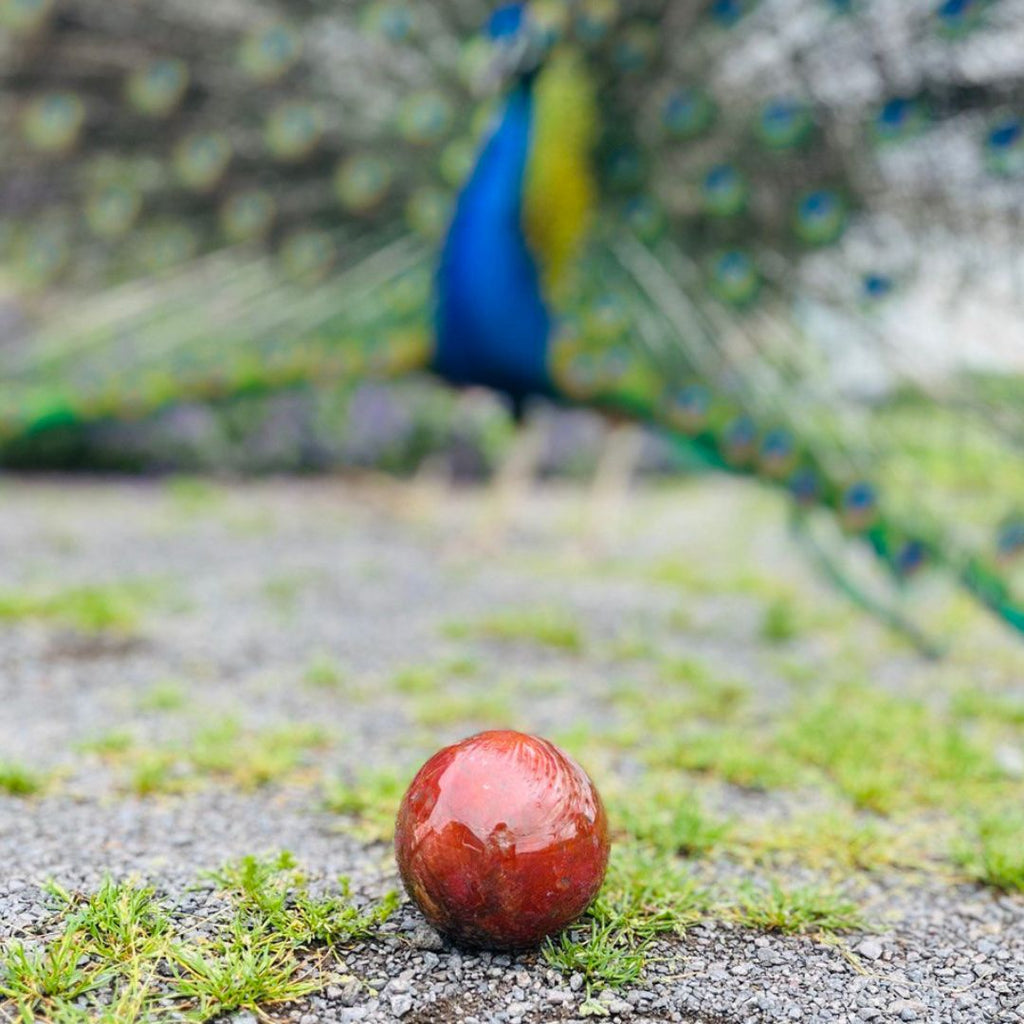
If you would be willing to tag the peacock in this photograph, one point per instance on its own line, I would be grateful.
(785, 234)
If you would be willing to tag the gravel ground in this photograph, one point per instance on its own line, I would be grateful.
(242, 586)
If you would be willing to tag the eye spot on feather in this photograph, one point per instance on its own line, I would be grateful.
(646, 217)
(53, 123)
(820, 217)
(425, 118)
(156, 89)
(268, 53)
(23, 17)
(1004, 147)
(201, 160)
(1010, 539)
(899, 119)
(957, 18)
(858, 508)
(688, 409)
(739, 441)
(911, 557)
(362, 182)
(877, 287)
(634, 48)
(734, 278)
(727, 13)
(308, 256)
(778, 453)
(293, 131)
(724, 191)
(391, 21)
(687, 113)
(428, 211)
(595, 20)
(784, 124)
(112, 209)
(805, 486)
(248, 216)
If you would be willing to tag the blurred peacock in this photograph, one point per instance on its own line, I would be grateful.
(785, 233)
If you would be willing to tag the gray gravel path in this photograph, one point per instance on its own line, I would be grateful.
(240, 589)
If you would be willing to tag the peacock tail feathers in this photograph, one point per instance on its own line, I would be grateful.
(786, 233)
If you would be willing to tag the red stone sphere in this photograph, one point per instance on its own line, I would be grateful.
(501, 840)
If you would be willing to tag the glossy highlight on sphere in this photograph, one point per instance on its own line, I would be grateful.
(501, 840)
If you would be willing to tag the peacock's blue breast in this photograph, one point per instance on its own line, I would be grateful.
(492, 323)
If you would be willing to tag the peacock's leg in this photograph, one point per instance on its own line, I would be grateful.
(609, 492)
(515, 476)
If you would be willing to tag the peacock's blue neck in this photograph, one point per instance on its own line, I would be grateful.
(492, 325)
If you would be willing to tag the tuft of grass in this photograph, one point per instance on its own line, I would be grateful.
(553, 628)
(798, 911)
(885, 752)
(708, 695)
(324, 673)
(19, 780)
(488, 708)
(371, 800)
(118, 958)
(976, 704)
(166, 695)
(247, 969)
(271, 893)
(109, 745)
(780, 622)
(833, 839)
(670, 822)
(157, 771)
(993, 851)
(251, 760)
(33, 977)
(114, 607)
(121, 921)
(741, 757)
(644, 895)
